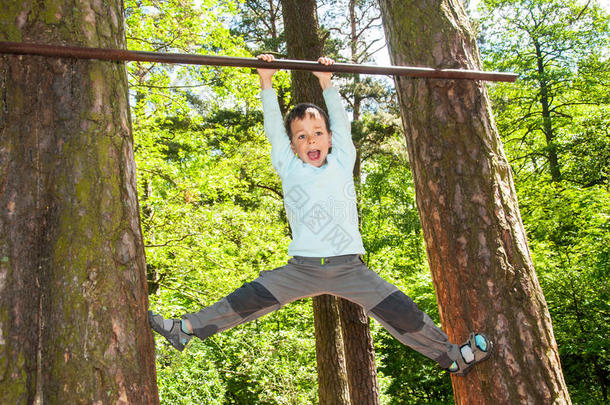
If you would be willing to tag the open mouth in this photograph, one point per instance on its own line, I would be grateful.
(313, 154)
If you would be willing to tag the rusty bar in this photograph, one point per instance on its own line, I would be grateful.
(20, 48)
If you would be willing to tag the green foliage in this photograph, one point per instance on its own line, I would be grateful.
(390, 224)
(560, 102)
(276, 363)
(188, 378)
(570, 242)
(269, 361)
(261, 25)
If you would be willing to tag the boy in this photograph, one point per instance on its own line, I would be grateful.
(320, 203)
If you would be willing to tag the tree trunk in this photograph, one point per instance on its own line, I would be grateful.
(303, 42)
(358, 345)
(547, 123)
(332, 377)
(359, 354)
(73, 295)
(476, 244)
(357, 339)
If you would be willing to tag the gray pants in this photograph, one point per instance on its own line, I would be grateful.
(343, 276)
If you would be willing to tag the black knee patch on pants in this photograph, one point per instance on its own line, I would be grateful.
(400, 312)
(251, 298)
(205, 332)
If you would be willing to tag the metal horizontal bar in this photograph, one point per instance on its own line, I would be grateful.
(21, 48)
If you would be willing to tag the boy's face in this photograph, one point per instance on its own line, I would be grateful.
(311, 140)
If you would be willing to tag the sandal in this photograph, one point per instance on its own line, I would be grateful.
(170, 329)
(475, 350)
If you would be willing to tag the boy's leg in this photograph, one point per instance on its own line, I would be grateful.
(269, 292)
(414, 328)
(248, 302)
(393, 309)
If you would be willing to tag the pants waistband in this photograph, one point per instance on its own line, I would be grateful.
(324, 261)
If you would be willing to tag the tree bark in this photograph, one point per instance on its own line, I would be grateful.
(357, 339)
(303, 41)
(359, 354)
(476, 244)
(333, 388)
(73, 294)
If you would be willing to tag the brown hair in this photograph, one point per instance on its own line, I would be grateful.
(299, 112)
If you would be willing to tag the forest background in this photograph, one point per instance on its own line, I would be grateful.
(212, 212)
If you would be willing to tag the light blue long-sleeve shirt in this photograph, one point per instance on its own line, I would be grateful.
(320, 202)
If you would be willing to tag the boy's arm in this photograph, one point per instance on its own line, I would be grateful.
(281, 154)
(325, 78)
(343, 146)
(266, 75)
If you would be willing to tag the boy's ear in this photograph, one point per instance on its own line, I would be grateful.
(292, 146)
